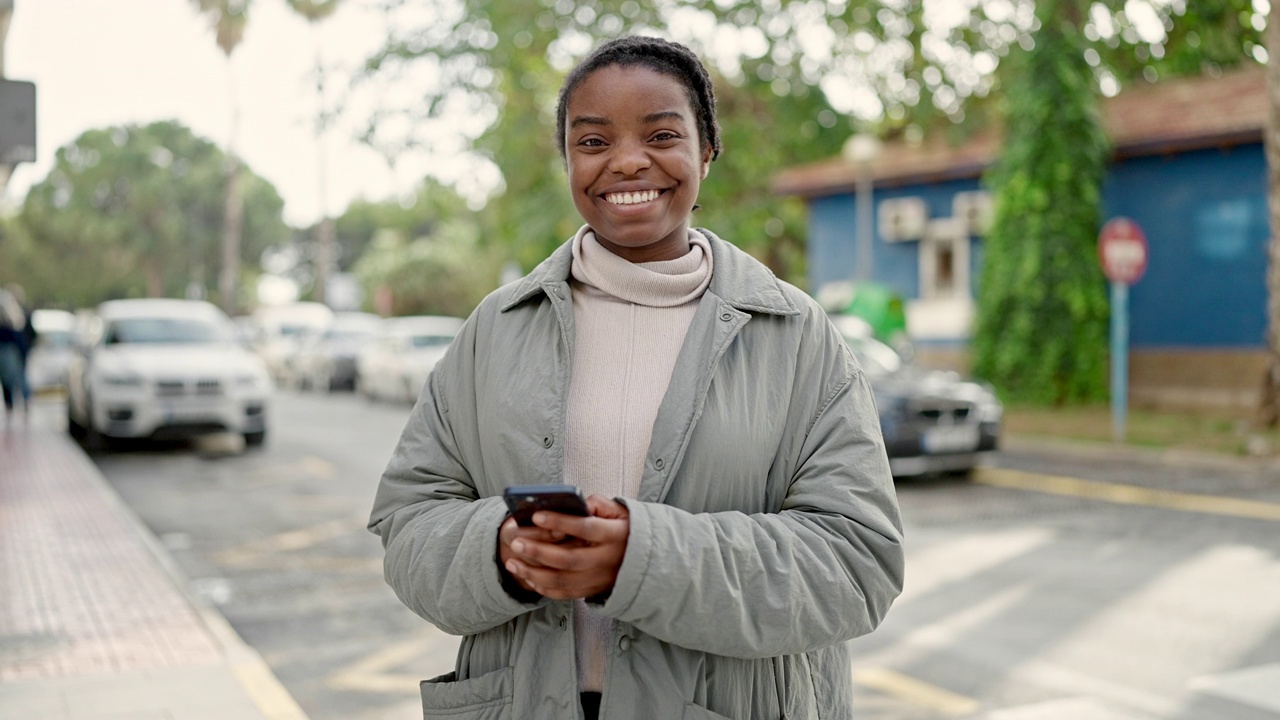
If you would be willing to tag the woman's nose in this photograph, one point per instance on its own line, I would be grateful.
(629, 158)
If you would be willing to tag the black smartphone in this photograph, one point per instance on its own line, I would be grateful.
(524, 500)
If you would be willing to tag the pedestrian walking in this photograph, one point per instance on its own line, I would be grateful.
(742, 519)
(16, 338)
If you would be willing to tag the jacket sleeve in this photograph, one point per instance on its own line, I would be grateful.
(441, 538)
(823, 570)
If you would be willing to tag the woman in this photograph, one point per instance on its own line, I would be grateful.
(743, 522)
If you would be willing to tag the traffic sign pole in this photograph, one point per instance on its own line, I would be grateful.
(1119, 359)
(1122, 250)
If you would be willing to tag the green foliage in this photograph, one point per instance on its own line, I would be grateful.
(132, 211)
(445, 273)
(1041, 332)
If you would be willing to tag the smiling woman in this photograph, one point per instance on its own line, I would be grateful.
(742, 522)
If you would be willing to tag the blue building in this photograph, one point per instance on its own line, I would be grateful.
(1188, 165)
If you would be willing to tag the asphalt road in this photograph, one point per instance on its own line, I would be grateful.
(1052, 586)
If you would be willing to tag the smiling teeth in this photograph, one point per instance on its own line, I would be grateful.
(631, 198)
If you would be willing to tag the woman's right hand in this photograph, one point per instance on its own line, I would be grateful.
(510, 531)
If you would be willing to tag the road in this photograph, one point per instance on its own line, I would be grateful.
(1051, 586)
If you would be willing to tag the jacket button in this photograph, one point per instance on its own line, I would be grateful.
(726, 316)
(564, 622)
(659, 463)
(547, 441)
(624, 644)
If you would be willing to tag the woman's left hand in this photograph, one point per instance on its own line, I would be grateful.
(586, 564)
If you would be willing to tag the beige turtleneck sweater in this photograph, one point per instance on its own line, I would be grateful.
(630, 321)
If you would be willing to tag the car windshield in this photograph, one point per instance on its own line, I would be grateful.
(874, 356)
(57, 338)
(429, 341)
(165, 330)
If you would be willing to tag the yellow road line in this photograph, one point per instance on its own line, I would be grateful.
(1128, 494)
(246, 553)
(369, 674)
(915, 692)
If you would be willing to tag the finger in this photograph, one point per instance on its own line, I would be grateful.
(591, 529)
(601, 506)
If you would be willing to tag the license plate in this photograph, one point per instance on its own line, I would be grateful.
(950, 439)
(188, 413)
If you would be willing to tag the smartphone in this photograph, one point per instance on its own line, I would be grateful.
(524, 500)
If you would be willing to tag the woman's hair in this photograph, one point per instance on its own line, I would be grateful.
(662, 56)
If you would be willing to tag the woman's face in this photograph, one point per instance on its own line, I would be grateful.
(635, 160)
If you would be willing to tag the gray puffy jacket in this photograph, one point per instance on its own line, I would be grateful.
(766, 532)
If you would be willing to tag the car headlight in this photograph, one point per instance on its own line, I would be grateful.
(122, 379)
(989, 408)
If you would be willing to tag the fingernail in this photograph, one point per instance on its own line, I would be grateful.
(517, 545)
(511, 566)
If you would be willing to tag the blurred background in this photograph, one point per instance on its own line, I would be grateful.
(1082, 423)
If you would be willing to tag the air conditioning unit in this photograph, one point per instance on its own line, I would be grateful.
(903, 219)
(975, 209)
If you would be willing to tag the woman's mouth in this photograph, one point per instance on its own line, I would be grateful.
(632, 198)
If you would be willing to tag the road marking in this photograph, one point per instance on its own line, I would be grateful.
(915, 692)
(252, 552)
(1128, 494)
(370, 673)
(1256, 686)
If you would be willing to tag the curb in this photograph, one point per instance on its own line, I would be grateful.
(253, 674)
(1094, 450)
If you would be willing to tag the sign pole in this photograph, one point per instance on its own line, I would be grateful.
(1119, 359)
(1122, 250)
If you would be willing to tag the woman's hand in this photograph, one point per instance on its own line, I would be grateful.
(564, 557)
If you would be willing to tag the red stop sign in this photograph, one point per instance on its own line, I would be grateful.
(1122, 249)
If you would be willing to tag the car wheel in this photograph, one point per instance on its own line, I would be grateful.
(255, 439)
(90, 439)
(74, 428)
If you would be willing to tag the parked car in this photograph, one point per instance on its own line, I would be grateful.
(276, 330)
(326, 359)
(162, 369)
(50, 358)
(933, 421)
(397, 363)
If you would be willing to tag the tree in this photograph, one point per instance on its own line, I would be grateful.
(795, 77)
(1269, 398)
(131, 211)
(228, 19)
(1041, 331)
(445, 273)
(314, 11)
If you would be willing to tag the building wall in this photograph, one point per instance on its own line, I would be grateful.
(832, 250)
(1205, 217)
(1197, 317)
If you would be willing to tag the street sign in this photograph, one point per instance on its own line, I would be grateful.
(1122, 250)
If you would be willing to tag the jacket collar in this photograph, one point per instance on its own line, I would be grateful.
(736, 277)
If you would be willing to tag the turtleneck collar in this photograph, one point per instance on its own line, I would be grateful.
(665, 283)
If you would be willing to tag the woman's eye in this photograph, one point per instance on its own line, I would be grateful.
(591, 142)
(665, 136)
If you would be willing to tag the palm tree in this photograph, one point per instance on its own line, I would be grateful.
(228, 19)
(314, 11)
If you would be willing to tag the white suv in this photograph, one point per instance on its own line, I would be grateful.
(165, 368)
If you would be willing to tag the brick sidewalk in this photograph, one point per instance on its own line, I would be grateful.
(94, 623)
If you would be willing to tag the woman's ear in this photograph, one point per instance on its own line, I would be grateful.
(706, 162)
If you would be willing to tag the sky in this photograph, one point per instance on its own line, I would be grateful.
(97, 63)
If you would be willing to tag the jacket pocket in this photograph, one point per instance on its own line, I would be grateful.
(697, 712)
(487, 697)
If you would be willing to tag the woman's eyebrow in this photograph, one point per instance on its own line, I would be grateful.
(663, 115)
(589, 120)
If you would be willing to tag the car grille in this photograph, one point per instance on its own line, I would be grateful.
(942, 413)
(183, 388)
